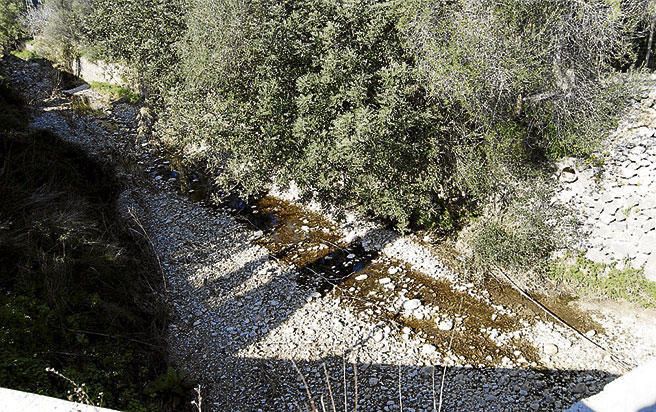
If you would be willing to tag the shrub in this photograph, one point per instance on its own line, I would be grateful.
(58, 28)
(644, 43)
(522, 233)
(542, 66)
(10, 27)
(324, 94)
(407, 110)
(140, 33)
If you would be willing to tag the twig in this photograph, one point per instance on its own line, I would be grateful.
(330, 388)
(453, 331)
(79, 395)
(152, 245)
(198, 402)
(107, 335)
(625, 365)
(355, 384)
(313, 407)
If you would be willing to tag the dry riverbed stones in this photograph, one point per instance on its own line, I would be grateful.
(241, 322)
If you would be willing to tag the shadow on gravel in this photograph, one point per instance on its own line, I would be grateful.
(234, 356)
(275, 385)
(253, 325)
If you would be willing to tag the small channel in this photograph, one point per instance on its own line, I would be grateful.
(375, 285)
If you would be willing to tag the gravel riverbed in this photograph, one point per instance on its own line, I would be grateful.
(398, 331)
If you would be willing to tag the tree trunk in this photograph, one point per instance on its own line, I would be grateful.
(650, 43)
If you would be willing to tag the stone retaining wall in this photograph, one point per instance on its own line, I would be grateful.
(616, 201)
(100, 71)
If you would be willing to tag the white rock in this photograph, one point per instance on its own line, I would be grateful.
(412, 304)
(650, 268)
(428, 349)
(393, 270)
(550, 349)
(361, 277)
(596, 255)
(445, 324)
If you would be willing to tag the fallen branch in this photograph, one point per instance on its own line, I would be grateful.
(626, 366)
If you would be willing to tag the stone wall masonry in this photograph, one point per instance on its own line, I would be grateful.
(617, 201)
(100, 71)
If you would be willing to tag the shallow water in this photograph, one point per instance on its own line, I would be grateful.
(297, 236)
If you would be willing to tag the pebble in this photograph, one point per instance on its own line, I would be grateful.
(412, 304)
(580, 388)
(445, 325)
(428, 349)
(550, 349)
(393, 270)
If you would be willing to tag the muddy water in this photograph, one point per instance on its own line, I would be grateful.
(562, 306)
(378, 286)
(451, 319)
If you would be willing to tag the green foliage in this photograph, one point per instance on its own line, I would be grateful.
(10, 28)
(604, 281)
(509, 61)
(116, 92)
(59, 31)
(141, 33)
(320, 93)
(418, 112)
(79, 293)
(521, 237)
(410, 111)
(25, 54)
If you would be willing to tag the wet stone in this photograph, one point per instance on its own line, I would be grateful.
(412, 304)
(445, 325)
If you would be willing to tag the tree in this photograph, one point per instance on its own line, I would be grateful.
(10, 27)
(652, 28)
(58, 27)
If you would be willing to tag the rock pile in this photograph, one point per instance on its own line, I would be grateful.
(616, 199)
